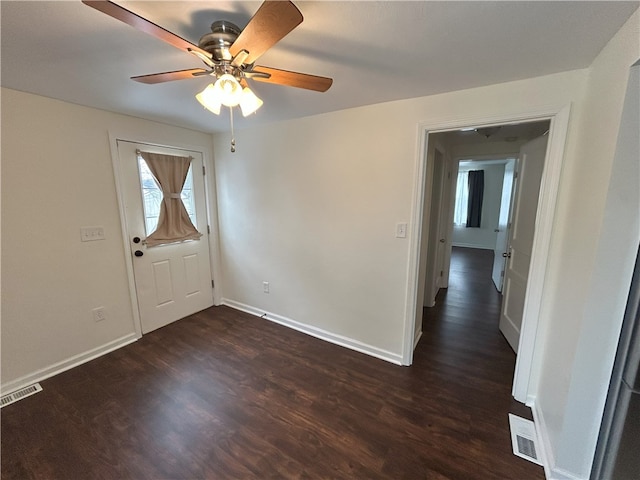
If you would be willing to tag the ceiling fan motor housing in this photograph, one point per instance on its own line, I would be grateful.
(222, 36)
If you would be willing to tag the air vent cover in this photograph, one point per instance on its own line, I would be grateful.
(13, 397)
(523, 439)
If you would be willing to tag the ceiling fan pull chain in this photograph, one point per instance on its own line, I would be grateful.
(233, 137)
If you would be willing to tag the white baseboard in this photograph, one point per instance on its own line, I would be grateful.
(551, 471)
(67, 364)
(317, 332)
(471, 245)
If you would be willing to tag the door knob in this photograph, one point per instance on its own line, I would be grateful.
(136, 239)
(506, 255)
(497, 230)
(138, 253)
(442, 240)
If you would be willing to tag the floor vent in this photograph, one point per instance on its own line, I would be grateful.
(13, 397)
(523, 439)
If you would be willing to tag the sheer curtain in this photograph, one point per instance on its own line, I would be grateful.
(462, 199)
(174, 224)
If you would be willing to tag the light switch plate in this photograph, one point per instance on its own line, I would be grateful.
(90, 234)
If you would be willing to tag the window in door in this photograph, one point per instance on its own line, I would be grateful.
(152, 196)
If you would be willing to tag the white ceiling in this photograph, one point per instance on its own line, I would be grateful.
(374, 51)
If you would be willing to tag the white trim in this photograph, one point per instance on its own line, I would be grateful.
(414, 300)
(471, 245)
(133, 295)
(317, 332)
(67, 364)
(499, 159)
(551, 472)
(559, 116)
(545, 214)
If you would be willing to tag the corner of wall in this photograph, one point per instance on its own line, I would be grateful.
(317, 332)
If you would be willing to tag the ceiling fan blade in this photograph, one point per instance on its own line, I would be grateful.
(142, 24)
(170, 76)
(273, 20)
(293, 79)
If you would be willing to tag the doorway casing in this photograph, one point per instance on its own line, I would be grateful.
(528, 359)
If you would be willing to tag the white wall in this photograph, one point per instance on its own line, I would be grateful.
(311, 205)
(56, 177)
(485, 236)
(596, 241)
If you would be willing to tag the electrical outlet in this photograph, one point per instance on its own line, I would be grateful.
(401, 230)
(265, 287)
(99, 314)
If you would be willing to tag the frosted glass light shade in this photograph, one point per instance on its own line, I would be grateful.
(228, 92)
(249, 102)
(210, 99)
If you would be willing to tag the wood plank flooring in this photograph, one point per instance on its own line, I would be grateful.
(225, 395)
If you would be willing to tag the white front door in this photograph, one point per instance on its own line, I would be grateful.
(502, 237)
(172, 281)
(523, 221)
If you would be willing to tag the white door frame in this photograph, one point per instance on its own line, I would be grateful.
(214, 256)
(527, 362)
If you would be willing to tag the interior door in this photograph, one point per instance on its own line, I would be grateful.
(518, 253)
(440, 176)
(174, 280)
(502, 237)
(445, 225)
(436, 241)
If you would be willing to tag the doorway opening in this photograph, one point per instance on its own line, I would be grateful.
(435, 199)
(484, 197)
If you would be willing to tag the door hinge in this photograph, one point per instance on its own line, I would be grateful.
(441, 273)
(208, 229)
(449, 175)
(502, 273)
(515, 174)
(203, 170)
(212, 284)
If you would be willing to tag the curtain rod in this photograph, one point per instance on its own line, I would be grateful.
(140, 152)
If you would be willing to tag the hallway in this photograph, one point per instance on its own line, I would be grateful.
(462, 343)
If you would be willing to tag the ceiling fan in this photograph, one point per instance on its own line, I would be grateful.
(229, 54)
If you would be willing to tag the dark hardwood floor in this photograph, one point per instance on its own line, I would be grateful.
(222, 394)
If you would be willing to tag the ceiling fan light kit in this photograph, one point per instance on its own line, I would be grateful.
(229, 53)
(228, 92)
